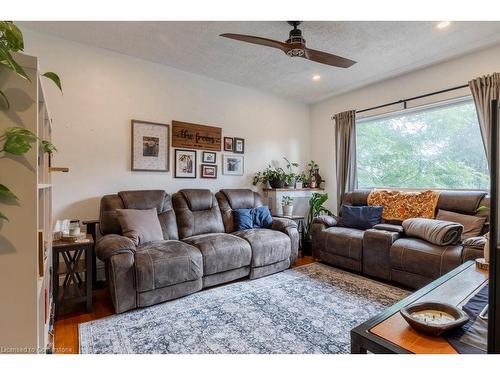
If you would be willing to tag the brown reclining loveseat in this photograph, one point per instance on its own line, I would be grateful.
(386, 253)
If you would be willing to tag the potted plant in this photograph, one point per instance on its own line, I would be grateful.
(316, 208)
(287, 205)
(290, 177)
(271, 175)
(313, 167)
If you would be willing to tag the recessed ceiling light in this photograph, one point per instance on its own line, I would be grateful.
(443, 25)
(316, 77)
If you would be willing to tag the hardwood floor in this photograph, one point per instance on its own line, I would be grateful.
(66, 327)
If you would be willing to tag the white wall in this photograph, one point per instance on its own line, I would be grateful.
(441, 76)
(104, 90)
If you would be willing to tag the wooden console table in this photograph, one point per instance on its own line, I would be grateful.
(389, 332)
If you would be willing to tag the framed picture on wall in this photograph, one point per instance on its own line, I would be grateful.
(185, 163)
(239, 145)
(208, 171)
(209, 157)
(150, 146)
(228, 144)
(233, 165)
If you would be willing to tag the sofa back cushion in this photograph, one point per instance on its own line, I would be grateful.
(465, 201)
(233, 199)
(138, 200)
(361, 217)
(140, 226)
(197, 212)
(473, 225)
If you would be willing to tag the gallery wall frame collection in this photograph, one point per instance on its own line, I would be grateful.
(150, 146)
(185, 163)
(195, 136)
(208, 171)
(151, 149)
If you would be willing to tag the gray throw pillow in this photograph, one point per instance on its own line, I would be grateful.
(140, 226)
(473, 225)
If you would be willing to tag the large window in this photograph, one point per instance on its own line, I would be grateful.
(431, 147)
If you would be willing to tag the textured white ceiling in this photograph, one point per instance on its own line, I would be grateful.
(382, 49)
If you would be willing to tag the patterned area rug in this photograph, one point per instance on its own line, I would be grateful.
(309, 309)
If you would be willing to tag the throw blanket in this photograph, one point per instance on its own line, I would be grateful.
(437, 232)
(402, 205)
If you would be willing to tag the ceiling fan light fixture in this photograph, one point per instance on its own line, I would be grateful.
(443, 25)
(295, 52)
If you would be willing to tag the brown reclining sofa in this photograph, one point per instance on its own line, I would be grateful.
(385, 252)
(200, 247)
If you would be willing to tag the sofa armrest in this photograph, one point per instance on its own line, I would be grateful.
(473, 248)
(113, 244)
(376, 252)
(390, 228)
(327, 221)
(289, 227)
(475, 242)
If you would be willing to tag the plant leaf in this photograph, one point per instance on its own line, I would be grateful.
(8, 61)
(11, 36)
(54, 78)
(47, 147)
(3, 217)
(5, 193)
(16, 145)
(18, 131)
(4, 98)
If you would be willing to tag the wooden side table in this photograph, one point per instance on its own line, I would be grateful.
(74, 289)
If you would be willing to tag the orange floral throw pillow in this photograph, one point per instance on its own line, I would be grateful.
(402, 205)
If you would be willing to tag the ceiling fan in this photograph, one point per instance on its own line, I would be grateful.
(295, 46)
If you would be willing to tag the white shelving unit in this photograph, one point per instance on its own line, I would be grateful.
(26, 317)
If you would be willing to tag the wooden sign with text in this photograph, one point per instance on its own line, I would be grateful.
(200, 137)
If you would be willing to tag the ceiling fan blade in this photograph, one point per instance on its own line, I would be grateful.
(327, 58)
(258, 40)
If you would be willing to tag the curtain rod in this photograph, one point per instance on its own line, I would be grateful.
(404, 101)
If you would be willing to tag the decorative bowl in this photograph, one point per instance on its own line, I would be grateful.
(433, 318)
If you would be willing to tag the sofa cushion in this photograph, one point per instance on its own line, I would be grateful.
(437, 232)
(197, 212)
(250, 218)
(268, 246)
(243, 218)
(140, 226)
(221, 251)
(361, 217)
(420, 257)
(165, 263)
(473, 225)
(262, 217)
(345, 242)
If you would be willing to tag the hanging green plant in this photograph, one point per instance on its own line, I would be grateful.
(17, 140)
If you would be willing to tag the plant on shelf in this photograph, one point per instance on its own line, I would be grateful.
(277, 177)
(287, 205)
(272, 175)
(311, 174)
(290, 176)
(316, 208)
(17, 140)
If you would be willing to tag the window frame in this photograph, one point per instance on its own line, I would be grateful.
(405, 111)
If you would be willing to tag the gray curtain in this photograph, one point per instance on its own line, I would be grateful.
(484, 89)
(345, 146)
